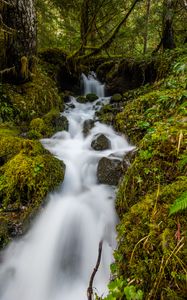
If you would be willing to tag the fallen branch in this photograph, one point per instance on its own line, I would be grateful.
(90, 287)
(13, 69)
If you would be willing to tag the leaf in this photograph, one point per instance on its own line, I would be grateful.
(179, 204)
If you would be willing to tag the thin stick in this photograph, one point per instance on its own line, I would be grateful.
(90, 287)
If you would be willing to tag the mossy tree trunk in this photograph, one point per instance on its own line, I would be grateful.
(168, 32)
(21, 46)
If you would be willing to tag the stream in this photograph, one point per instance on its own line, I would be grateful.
(55, 259)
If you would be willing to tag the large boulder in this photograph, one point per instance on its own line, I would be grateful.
(109, 171)
(101, 142)
(87, 126)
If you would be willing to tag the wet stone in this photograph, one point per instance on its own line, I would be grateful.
(109, 171)
(101, 142)
(87, 126)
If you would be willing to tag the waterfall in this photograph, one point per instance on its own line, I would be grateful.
(55, 259)
(92, 85)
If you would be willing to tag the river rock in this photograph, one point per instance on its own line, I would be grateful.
(87, 126)
(91, 97)
(60, 123)
(109, 171)
(101, 142)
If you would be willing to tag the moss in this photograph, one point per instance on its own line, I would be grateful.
(81, 99)
(116, 98)
(158, 161)
(151, 244)
(39, 129)
(91, 97)
(150, 253)
(27, 173)
(33, 99)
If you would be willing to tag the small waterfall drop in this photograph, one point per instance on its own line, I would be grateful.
(92, 85)
(55, 259)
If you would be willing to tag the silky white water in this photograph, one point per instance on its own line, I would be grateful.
(55, 259)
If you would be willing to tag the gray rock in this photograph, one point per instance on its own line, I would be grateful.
(87, 126)
(101, 142)
(109, 171)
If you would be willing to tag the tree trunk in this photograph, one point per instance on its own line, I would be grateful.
(148, 5)
(20, 15)
(168, 33)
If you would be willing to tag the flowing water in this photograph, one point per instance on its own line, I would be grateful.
(55, 259)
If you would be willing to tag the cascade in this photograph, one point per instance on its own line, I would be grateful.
(55, 259)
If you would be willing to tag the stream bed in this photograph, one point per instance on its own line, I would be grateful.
(55, 259)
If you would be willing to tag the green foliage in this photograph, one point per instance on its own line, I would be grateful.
(27, 173)
(32, 99)
(180, 204)
(151, 245)
(119, 289)
(7, 110)
(131, 293)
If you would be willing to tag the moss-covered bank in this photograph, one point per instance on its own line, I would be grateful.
(151, 257)
(28, 172)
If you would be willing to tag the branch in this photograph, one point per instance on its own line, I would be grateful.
(8, 70)
(90, 287)
(112, 37)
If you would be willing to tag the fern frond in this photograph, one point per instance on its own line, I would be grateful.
(179, 204)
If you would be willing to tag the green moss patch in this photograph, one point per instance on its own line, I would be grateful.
(151, 250)
(28, 173)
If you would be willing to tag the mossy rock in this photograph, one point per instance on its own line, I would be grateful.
(91, 97)
(82, 99)
(56, 121)
(39, 129)
(28, 173)
(116, 98)
(9, 147)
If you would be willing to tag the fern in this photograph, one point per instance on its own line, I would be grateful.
(179, 204)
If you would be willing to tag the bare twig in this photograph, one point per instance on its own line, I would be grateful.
(90, 287)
